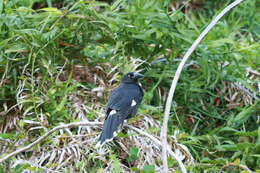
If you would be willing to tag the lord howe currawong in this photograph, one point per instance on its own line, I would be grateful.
(122, 104)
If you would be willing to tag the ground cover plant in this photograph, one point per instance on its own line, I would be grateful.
(59, 60)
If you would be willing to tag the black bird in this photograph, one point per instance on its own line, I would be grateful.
(122, 104)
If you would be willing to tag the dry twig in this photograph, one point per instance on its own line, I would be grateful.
(81, 123)
(160, 144)
(176, 78)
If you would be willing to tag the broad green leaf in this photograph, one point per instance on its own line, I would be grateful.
(134, 154)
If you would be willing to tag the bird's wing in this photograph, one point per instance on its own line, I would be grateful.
(125, 99)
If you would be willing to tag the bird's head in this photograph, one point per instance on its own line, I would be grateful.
(132, 77)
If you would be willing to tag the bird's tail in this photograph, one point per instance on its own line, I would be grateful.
(110, 128)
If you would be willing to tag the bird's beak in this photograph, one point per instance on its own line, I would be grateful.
(138, 75)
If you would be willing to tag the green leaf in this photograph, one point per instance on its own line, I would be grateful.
(51, 10)
(116, 166)
(235, 147)
(1, 6)
(149, 169)
(171, 162)
(252, 133)
(243, 116)
(134, 154)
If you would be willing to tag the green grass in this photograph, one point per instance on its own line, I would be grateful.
(48, 55)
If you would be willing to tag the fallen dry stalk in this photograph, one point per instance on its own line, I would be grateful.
(237, 165)
(181, 165)
(84, 123)
(177, 76)
(81, 123)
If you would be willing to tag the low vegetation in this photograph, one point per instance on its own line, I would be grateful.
(59, 60)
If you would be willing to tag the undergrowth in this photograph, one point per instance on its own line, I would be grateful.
(59, 60)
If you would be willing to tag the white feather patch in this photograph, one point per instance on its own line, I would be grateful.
(112, 112)
(108, 140)
(115, 134)
(98, 144)
(133, 103)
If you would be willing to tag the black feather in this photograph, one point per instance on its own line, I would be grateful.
(111, 125)
(121, 102)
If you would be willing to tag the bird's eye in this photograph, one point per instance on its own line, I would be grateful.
(131, 75)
